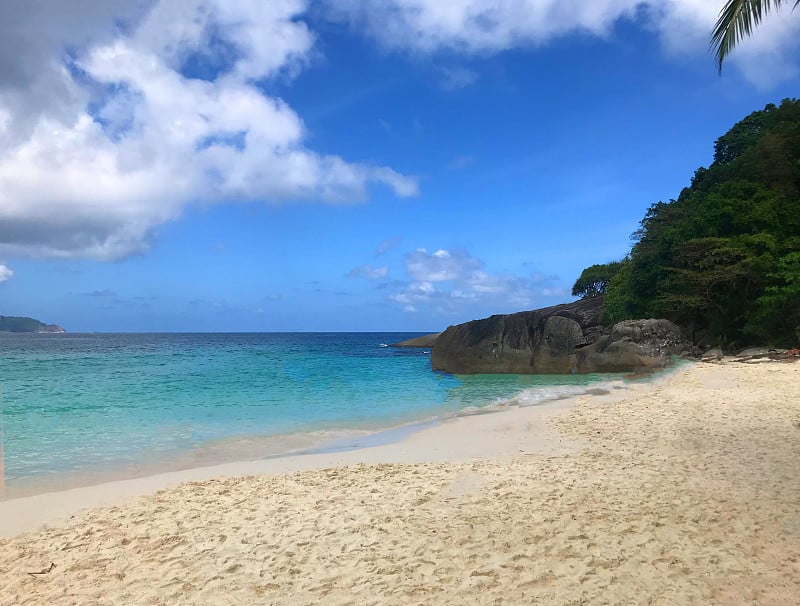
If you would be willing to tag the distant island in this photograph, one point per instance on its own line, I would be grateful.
(21, 324)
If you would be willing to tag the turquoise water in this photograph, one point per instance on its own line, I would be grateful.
(79, 403)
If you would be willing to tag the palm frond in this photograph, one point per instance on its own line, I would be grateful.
(737, 20)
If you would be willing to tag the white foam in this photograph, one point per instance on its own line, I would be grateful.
(533, 396)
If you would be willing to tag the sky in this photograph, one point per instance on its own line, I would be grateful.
(395, 165)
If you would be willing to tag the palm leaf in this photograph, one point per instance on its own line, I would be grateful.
(737, 20)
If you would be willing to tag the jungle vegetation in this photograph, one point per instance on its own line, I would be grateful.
(723, 259)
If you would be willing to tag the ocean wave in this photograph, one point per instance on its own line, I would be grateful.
(535, 396)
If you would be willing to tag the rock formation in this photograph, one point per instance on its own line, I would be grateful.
(563, 339)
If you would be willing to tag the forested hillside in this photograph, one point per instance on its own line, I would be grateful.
(22, 324)
(723, 260)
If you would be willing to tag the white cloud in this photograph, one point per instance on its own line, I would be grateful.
(116, 115)
(369, 272)
(491, 26)
(5, 273)
(766, 58)
(452, 280)
(440, 265)
(100, 147)
(479, 26)
(559, 291)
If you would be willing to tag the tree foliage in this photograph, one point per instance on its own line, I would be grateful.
(593, 280)
(724, 258)
(20, 324)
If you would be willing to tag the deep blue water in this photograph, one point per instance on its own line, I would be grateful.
(82, 402)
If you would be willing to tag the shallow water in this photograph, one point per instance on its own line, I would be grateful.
(78, 403)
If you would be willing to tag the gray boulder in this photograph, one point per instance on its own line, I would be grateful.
(563, 339)
(635, 344)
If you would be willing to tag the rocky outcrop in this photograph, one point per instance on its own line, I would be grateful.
(423, 341)
(563, 339)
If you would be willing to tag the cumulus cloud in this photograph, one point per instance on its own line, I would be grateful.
(5, 273)
(440, 266)
(450, 280)
(485, 27)
(478, 26)
(369, 272)
(115, 116)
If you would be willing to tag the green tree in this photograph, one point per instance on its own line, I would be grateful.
(723, 259)
(778, 309)
(593, 280)
(711, 284)
(737, 20)
(19, 324)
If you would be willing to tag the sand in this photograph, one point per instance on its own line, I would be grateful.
(685, 491)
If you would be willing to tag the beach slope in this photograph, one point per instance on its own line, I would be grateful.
(683, 491)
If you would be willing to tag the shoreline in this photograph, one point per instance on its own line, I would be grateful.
(681, 490)
(428, 441)
(255, 447)
(414, 442)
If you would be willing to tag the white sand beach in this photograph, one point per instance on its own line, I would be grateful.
(681, 491)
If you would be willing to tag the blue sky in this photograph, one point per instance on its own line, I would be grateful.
(403, 165)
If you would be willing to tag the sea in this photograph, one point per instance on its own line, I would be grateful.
(78, 407)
